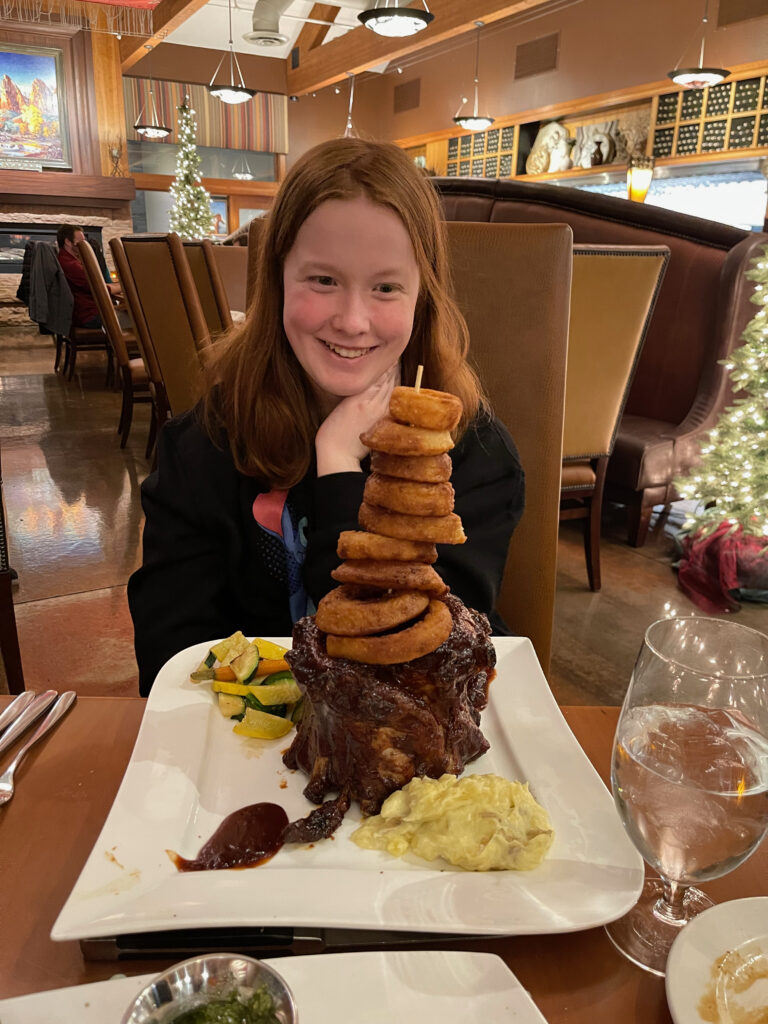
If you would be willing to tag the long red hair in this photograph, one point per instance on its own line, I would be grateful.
(259, 394)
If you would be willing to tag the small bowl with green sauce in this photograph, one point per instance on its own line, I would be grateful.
(220, 988)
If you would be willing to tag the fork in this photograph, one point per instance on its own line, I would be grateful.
(59, 709)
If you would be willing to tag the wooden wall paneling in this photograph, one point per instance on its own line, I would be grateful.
(82, 105)
(167, 16)
(108, 89)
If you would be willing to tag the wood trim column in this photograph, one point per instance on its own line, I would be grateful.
(108, 88)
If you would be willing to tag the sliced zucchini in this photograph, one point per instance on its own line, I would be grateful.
(285, 691)
(276, 677)
(245, 664)
(210, 661)
(297, 710)
(231, 706)
(259, 725)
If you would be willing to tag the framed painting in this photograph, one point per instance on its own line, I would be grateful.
(219, 218)
(33, 121)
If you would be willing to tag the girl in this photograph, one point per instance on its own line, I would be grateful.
(253, 487)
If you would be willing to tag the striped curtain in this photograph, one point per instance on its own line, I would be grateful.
(260, 125)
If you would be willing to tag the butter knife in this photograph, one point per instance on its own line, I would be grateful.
(14, 709)
(29, 715)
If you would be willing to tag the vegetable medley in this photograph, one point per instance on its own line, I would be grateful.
(254, 685)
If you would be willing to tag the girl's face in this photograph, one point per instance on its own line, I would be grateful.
(350, 283)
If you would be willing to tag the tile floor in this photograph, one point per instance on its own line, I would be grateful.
(74, 521)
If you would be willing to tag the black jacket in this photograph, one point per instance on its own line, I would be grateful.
(210, 569)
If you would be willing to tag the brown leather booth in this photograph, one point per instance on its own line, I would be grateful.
(679, 388)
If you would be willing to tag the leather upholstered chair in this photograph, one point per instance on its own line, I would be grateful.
(144, 341)
(613, 295)
(134, 379)
(232, 262)
(164, 301)
(210, 287)
(513, 285)
(10, 656)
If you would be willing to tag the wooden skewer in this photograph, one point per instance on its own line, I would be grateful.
(417, 385)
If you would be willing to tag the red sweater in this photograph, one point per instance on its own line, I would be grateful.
(85, 305)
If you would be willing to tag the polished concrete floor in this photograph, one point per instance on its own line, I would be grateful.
(74, 521)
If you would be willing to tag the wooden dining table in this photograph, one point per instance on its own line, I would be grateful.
(65, 789)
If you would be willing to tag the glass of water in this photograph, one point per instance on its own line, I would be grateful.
(689, 771)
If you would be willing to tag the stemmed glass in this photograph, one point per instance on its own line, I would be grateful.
(690, 770)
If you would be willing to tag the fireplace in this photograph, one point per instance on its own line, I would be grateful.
(14, 236)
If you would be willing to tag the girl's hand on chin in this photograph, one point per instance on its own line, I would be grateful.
(337, 442)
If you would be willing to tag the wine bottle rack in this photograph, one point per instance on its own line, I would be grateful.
(720, 118)
(490, 154)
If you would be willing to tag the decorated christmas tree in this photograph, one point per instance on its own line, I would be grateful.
(726, 536)
(191, 215)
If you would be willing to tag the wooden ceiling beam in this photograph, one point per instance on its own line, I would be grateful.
(361, 49)
(166, 17)
(313, 35)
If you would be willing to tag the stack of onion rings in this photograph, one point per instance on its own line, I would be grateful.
(407, 509)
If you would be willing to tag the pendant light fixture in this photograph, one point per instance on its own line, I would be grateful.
(151, 129)
(392, 18)
(474, 122)
(231, 93)
(701, 76)
(349, 131)
(241, 170)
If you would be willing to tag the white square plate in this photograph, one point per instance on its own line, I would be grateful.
(188, 771)
(416, 987)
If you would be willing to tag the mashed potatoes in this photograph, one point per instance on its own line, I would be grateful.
(480, 822)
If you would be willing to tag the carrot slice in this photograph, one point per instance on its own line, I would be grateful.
(224, 674)
(269, 665)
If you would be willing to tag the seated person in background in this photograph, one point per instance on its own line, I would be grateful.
(254, 485)
(86, 312)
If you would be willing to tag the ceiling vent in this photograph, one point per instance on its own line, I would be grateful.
(537, 56)
(730, 12)
(265, 30)
(407, 95)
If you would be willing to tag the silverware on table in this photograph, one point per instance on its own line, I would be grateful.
(14, 709)
(36, 707)
(57, 712)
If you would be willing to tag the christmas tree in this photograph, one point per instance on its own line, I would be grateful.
(191, 215)
(731, 481)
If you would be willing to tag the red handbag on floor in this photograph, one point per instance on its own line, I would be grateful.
(719, 569)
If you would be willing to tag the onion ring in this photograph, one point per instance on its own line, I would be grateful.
(437, 529)
(433, 410)
(422, 638)
(428, 469)
(414, 499)
(358, 544)
(396, 439)
(345, 614)
(368, 572)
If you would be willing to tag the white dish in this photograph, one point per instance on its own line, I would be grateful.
(416, 987)
(188, 771)
(727, 943)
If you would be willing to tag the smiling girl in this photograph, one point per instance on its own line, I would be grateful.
(253, 487)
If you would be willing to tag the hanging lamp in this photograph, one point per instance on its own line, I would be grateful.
(349, 130)
(474, 122)
(241, 170)
(151, 129)
(394, 20)
(701, 76)
(231, 93)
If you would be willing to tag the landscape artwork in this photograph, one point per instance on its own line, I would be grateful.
(32, 118)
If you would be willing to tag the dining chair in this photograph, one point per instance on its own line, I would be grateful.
(613, 294)
(210, 287)
(232, 261)
(255, 235)
(167, 305)
(513, 285)
(11, 672)
(160, 405)
(134, 378)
